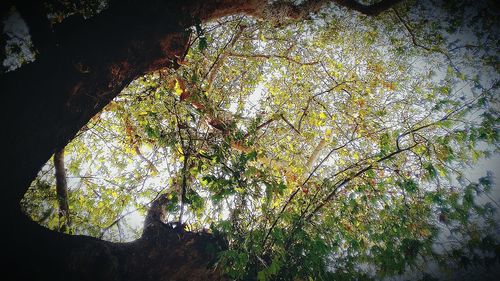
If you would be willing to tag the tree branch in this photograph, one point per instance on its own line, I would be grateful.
(62, 190)
(370, 10)
(315, 154)
(292, 196)
(260, 127)
(417, 44)
(156, 213)
(345, 181)
(264, 56)
(214, 69)
(289, 124)
(149, 162)
(183, 185)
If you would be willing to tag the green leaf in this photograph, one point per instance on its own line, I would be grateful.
(409, 185)
(431, 171)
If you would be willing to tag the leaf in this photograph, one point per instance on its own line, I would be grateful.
(202, 43)
(431, 171)
(409, 185)
(180, 86)
(261, 276)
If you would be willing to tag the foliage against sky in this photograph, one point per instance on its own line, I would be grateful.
(331, 147)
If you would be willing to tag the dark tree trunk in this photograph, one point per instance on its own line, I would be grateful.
(62, 190)
(164, 252)
(45, 104)
(82, 66)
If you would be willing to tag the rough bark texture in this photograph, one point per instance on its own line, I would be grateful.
(47, 102)
(164, 252)
(82, 65)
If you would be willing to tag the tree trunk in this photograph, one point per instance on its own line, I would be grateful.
(164, 252)
(81, 67)
(62, 191)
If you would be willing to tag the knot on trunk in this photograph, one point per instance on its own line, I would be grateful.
(154, 226)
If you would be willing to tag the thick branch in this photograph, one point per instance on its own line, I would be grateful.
(371, 10)
(156, 212)
(314, 155)
(53, 97)
(57, 94)
(62, 190)
(219, 61)
(278, 11)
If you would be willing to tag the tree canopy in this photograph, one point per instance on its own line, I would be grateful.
(331, 147)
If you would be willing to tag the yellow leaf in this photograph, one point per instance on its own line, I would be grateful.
(178, 88)
(275, 204)
(154, 171)
(179, 149)
(425, 232)
(328, 133)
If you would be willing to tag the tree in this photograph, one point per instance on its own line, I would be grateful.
(346, 123)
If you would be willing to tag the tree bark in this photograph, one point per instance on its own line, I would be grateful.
(164, 252)
(62, 190)
(81, 66)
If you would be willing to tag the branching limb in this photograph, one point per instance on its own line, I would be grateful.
(115, 222)
(296, 191)
(417, 44)
(343, 182)
(219, 61)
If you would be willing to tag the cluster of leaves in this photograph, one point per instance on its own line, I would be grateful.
(16, 43)
(329, 148)
(58, 10)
